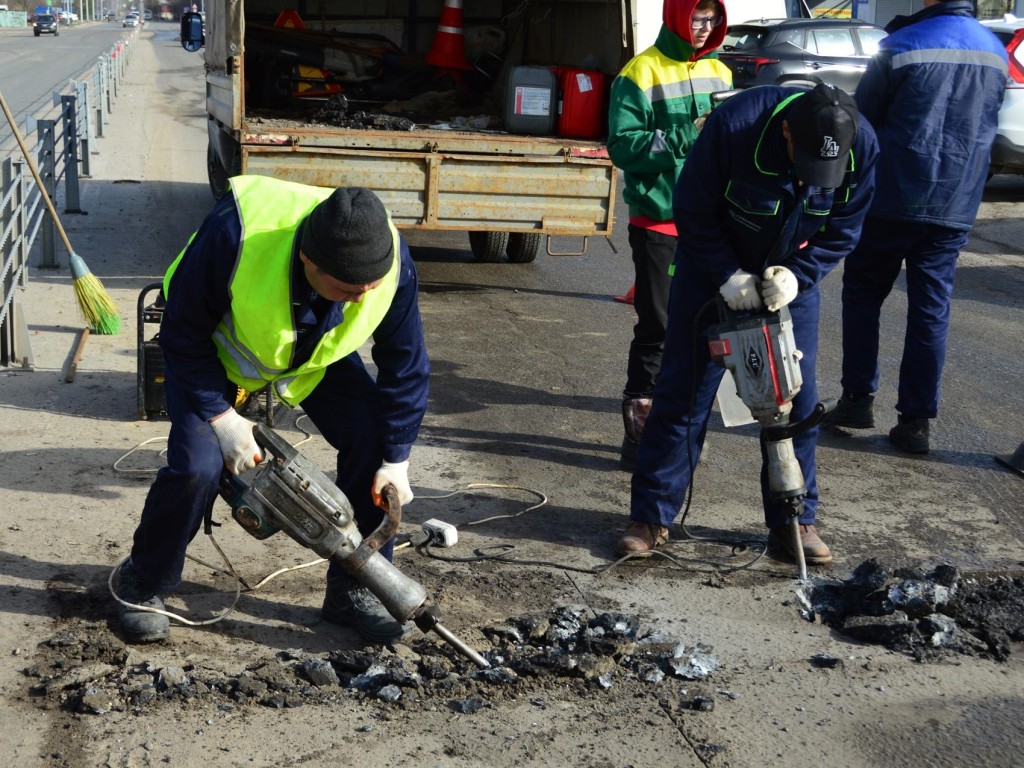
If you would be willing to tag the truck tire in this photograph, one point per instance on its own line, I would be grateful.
(488, 247)
(522, 247)
(218, 174)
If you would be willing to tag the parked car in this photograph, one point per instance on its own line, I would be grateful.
(46, 23)
(130, 20)
(773, 51)
(1008, 150)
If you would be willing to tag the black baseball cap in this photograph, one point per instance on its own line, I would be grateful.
(823, 126)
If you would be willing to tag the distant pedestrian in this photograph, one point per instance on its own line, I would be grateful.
(657, 103)
(932, 93)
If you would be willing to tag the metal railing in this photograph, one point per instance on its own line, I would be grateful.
(63, 145)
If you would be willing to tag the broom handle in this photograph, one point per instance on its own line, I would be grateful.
(35, 173)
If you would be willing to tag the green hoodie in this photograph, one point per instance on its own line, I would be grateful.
(654, 102)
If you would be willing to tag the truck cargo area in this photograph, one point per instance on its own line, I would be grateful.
(442, 110)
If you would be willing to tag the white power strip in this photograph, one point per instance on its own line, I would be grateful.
(441, 533)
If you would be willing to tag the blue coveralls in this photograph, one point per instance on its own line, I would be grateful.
(733, 206)
(933, 94)
(367, 421)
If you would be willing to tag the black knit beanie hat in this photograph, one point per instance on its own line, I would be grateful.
(348, 237)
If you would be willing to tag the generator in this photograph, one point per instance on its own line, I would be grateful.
(152, 399)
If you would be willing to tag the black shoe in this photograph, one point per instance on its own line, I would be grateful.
(853, 412)
(350, 605)
(627, 459)
(139, 626)
(910, 435)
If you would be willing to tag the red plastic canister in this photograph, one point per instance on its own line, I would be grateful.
(583, 105)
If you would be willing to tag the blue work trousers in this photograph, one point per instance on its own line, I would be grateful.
(930, 252)
(685, 393)
(343, 407)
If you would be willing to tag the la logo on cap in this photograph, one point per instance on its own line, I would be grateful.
(829, 148)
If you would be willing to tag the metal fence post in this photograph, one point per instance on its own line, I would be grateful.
(98, 77)
(14, 338)
(45, 164)
(84, 125)
(69, 118)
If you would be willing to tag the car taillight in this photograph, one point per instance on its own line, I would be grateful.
(755, 62)
(1016, 53)
(759, 62)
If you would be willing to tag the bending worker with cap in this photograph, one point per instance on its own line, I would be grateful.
(772, 196)
(281, 286)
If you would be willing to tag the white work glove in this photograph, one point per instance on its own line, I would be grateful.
(778, 288)
(398, 476)
(740, 291)
(240, 449)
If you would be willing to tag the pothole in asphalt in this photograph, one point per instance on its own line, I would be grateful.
(931, 615)
(532, 657)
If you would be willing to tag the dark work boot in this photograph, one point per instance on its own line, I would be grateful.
(853, 412)
(635, 411)
(910, 435)
(139, 626)
(349, 604)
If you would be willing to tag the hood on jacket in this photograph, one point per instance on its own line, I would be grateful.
(676, 15)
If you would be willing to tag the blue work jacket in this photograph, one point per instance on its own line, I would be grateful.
(738, 188)
(933, 94)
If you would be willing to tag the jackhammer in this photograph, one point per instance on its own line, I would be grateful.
(288, 493)
(760, 351)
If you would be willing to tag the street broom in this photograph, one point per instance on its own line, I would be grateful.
(98, 308)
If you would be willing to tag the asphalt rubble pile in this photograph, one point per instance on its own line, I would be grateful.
(91, 671)
(930, 615)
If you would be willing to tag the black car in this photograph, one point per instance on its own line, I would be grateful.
(773, 51)
(45, 22)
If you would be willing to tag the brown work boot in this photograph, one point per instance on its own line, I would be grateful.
(635, 411)
(780, 545)
(641, 538)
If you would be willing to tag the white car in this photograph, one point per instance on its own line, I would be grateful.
(1008, 150)
(131, 20)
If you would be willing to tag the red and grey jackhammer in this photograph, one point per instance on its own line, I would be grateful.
(760, 351)
(288, 493)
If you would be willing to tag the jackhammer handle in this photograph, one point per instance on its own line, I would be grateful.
(786, 431)
(382, 534)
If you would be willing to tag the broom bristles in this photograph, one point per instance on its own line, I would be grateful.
(99, 310)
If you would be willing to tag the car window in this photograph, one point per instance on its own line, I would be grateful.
(869, 40)
(743, 39)
(833, 42)
(791, 36)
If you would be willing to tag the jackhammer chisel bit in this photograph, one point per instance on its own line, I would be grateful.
(288, 493)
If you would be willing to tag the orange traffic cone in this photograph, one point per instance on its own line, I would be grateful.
(448, 50)
(628, 298)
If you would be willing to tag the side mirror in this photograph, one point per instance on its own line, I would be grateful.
(192, 38)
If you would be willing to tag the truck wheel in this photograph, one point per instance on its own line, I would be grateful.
(522, 247)
(218, 174)
(488, 247)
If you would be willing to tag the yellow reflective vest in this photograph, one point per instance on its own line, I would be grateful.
(256, 337)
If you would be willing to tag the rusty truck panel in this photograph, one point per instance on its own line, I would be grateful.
(557, 192)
